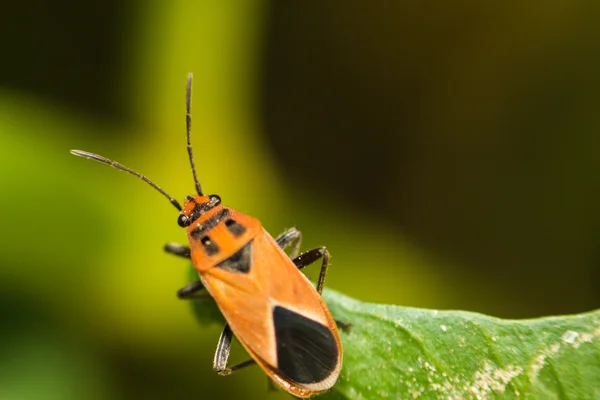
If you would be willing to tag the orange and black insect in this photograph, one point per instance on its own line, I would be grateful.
(269, 305)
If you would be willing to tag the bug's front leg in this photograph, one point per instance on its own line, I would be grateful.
(222, 354)
(192, 290)
(178, 250)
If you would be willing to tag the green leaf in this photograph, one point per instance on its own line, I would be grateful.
(399, 352)
(405, 353)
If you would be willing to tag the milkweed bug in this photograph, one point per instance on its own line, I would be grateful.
(269, 305)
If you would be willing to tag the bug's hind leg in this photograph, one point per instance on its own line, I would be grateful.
(310, 257)
(290, 237)
(178, 250)
(222, 354)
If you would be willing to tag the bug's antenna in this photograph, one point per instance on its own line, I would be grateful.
(115, 164)
(188, 125)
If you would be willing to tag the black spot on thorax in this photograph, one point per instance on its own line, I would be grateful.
(235, 227)
(240, 261)
(210, 247)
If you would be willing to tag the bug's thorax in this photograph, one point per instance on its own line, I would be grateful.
(216, 232)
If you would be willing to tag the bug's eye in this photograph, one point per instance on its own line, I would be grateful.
(183, 221)
(215, 199)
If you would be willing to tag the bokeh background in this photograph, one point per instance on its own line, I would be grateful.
(448, 155)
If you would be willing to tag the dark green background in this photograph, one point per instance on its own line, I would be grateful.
(447, 155)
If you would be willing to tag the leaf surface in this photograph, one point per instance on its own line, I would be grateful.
(394, 352)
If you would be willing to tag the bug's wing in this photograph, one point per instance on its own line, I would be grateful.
(307, 351)
(276, 313)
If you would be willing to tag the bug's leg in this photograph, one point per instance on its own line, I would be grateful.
(290, 237)
(178, 249)
(190, 291)
(222, 354)
(345, 326)
(310, 257)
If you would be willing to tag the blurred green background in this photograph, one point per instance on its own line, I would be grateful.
(447, 155)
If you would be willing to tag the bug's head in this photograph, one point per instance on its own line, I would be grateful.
(195, 206)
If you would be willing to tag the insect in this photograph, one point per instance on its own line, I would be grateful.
(269, 305)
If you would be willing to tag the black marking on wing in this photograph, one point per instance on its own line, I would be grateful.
(307, 351)
(240, 261)
(210, 223)
(235, 227)
(210, 247)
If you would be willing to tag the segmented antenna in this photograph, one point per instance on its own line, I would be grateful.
(105, 160)
(188, 124)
